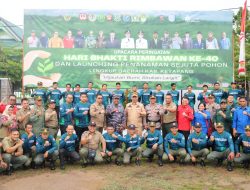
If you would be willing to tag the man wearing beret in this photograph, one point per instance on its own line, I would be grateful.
(40, 91)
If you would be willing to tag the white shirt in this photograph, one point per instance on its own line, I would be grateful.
(141, 43)
(127, 43)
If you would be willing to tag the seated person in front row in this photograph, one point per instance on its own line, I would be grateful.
(174, 145)
(244, 141)
(154, 143)
(46, 149)
(3, 165)
(223, 147)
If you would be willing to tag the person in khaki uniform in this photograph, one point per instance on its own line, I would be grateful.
(90, 142)
(37, 116)
(135, 113)
(51, 120)
(13, 151)
(97, 113)
(3, 165)
(23, 115)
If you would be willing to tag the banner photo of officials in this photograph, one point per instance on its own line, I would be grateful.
(131, 47)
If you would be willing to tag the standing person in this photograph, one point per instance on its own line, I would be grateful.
(234, 91)
(100, 40)
(68, 40)
(106, 96)
(12, 102)
(90, 143)
(203, 96)
(55, 41)
(154, 112)
(119, 92)
(97, 113)
(154, 144)
(66, 92)
(202, 116)
(66, 114)
(79, 40)
(190, 95)
(159, 94)
(56, 95)
(212, 106)
(32, 40)
(90, 40)
(224, 41)
(112, 42)
(155, 43)
(223, 147)
(134, 90)
(145, 94)
(134, 113)
(40, 91)
(199, 43)
(8, 120)
(218, 93)
(141, 42)
(169, 116)
(127, 42)
(116, 115)
(82, 115)
(67, 147)
(241, 118)
(166, 41)
(184, 117)
(187, 41)
(23, 115)
(44, 40)
(174, 93)
(176, 41)
(76, 94)
(37, 116)
(197, 145)
(211, 41)
(51, 119)
(91, 93)
(46, 149)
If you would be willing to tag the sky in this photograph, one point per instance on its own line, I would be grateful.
(13, 10)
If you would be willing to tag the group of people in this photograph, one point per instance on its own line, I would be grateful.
(100, 41)
(94, 125)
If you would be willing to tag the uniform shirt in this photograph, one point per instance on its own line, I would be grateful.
(91, 95)
(28, 142)
(175, 96)
(191, 97)
(21, 113)
(80, 119)
(203, 97)
(66, 119)
(235, 93)
(184, 121)
(141, 44)
(222, 141)
(145, 95)
(131, 142)
(127, 43)
(40, 92)
(55, 42)
(51, 120)
(94, 142)
(8, 143)
(111, 142)
(55, 95)
(38, 121)
(159, 97)
(69, 144)
(219, 119)
(154, 113)
(65, 94)
(212, 108)
(76, 97)
(153, 138)
(119, 93)
(199, 118)
(201, 137)
(96, 115)
(169, 117)
(133, 114)
(130, 96)
(106, 97)
(115, 117)
(219, 95)
(244, 141)
(41, 149)
(174, 146)
(240, 121)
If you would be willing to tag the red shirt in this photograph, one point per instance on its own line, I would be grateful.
(68, 42)
(184, 122)
(3, 106)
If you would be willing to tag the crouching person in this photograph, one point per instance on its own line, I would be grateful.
(197, 145)
(112, 145)
(90, 141)
(67, 146)
(3, 165)
(244, 142)
(223, 147)
(46, 149)
(154, 143)
(13, 151)
(29, 144)
(174, 145)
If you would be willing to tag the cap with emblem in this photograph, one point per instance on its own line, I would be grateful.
(44, 131)
(152, 97)
(219, 125)
(38, 98)
(134, 95)
(197, 125)
(92, 123)
(52, 102)
(151, 124)
(131, 127)
(116, 97)
(247, 128)
(211, 96)
(173, 125)
(223, 101)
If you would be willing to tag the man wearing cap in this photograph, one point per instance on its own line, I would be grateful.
(212, 106)
(97, 113)
(135, 113)
(116, 115)
(51, 120)
(223, 147)
(197, 145)
(244, 142)
(37, 116)
(218, 93)
(40, 91)
(133, 145)
(234, 91)
(127, 42)
(154, 143)
(66, 114)
(175, 93)
(46, 149)
(23, 115)
(67, 146)
(145, 94)
(203, 96)
(141, 42)
(154, 112)
(113, 145)
(174, 145)
(90, 143)
(159, 94)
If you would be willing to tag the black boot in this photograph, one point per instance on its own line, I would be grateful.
(52, 165)
(118, 163)
(150, 158)
(245, 164)
(9, 171)
(138, 162)
(202, 163)
(160, 163)
(229, 166)
(219, 162)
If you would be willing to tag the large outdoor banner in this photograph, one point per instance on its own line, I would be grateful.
(131, 47)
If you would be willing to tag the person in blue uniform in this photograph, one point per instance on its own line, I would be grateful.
(119, 92)
(40, 91)
(190, 95)
(175, 93)
(159, 94)
(145, 94)
(66, 92)
(91, 93)
(76, 94)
